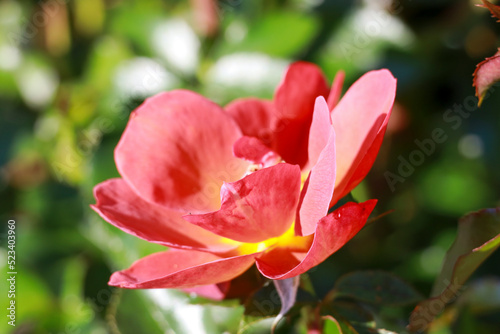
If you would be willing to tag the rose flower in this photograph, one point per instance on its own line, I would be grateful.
(253, 183)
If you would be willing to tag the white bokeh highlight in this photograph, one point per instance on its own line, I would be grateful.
(177, 43)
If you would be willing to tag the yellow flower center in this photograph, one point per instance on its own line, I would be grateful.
(287, 240)
(303, 179)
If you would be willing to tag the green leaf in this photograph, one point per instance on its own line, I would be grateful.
(377, 287)
(365, 330)
(353, 312)
(353, 317)
(264, 302)
(266, 35)
(477, 238)
(145, 16)
(332, 326)
(132, 313)
(256, 326)
(335, 326)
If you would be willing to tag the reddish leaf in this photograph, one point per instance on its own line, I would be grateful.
(494, 9)
(478, 237)
(486, 74)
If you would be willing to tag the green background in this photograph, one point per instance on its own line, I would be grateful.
(72, 71)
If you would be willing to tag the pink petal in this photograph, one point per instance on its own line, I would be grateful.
(321, 130)
(360, 120)
(366, 163)
(254, 150)
(177, 151)
(294, 102)
(336, 90)
(180, 269)
(254, 117)
(212, 291)
(120, 206)
(259, 207)
(333, 232)
(318, 189)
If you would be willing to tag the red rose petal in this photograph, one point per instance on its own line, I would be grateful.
(254, 117)
(360, 120)
(336, 90)
(177, 151)
(212, 291)
(294, 101)
(180, 269)
(258, 207)
(333, 232)
(254, 150)
(119, 205)
(318, 189)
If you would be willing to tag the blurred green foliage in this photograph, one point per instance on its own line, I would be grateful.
(72, 71)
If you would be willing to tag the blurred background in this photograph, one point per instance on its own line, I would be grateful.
(71, 71)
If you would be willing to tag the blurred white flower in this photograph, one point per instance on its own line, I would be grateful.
(142, 77)
(250, 71)
(37, 84)
(177, 43)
